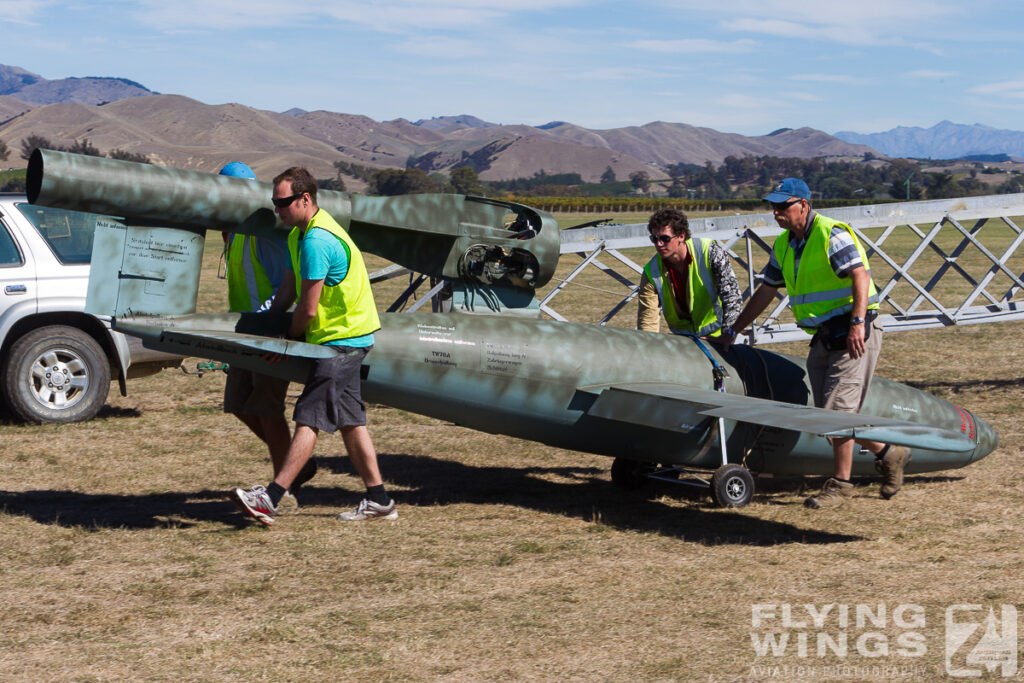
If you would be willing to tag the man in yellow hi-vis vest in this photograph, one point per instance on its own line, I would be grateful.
(823, 266)
(255, 267)
(690, 280)
(336, 309)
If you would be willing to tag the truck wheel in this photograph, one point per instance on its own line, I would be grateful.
(56, 374)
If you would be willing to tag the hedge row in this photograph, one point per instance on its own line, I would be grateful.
(649, 204)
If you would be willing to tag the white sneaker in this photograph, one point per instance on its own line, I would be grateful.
(256, 503)
(369, 510)
(288, 504)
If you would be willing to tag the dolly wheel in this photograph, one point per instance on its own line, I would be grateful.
(732, 486)
(630, 474)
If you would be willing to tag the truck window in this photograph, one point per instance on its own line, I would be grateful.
(68, 233)
(9, 255)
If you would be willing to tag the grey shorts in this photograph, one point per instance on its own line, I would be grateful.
(250, 393)
(838, 381)
(333, 396)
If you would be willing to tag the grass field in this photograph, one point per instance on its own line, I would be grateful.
(511, 561)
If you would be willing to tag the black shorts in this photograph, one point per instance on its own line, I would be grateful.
(332, 398)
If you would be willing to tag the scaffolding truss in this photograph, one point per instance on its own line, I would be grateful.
(935, 263)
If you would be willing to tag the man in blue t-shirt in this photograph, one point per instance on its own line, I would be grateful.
(334, 308)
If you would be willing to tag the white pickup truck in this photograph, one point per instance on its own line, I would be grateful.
(56, 361)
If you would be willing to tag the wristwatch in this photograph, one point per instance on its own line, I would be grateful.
(856, 320)
(729, 331)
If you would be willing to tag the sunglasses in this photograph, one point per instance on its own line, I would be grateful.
(662, 239)
(282, 202)
(783, 206)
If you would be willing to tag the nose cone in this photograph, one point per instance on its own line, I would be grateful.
(986, 438)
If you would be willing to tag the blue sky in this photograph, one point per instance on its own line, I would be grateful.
(745, 66)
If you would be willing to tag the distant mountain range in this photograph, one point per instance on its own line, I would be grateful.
(33, 88)
(944, 140)
(177, 131)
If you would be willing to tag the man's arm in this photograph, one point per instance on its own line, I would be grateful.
(284, 297)
(726, 283)
(305, 310)
(855, 338)
(648, 312)
(763, 296)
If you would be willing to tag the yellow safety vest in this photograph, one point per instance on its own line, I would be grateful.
(248, 283)
(816, 293)
(347, 309)
(706, 317)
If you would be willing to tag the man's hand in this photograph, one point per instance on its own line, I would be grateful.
(727, 339)
(855, 340)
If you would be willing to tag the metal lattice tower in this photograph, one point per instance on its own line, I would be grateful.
(935, 263)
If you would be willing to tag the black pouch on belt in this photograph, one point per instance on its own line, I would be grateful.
(833, 332)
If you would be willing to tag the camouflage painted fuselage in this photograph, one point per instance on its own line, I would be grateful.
(538, 380)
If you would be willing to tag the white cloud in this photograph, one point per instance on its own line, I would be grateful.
(693, 45)
(830, 78)
(382, 15)
(1014, 89)
(24, 12)
(930, 74)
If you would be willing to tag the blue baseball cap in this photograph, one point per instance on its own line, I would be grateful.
(788, 189)
(236, 169)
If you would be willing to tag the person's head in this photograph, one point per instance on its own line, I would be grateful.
(669, 231)
(294, 196)
(791, 202)
(236, 169)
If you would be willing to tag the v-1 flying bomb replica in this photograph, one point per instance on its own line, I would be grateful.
(659, 404)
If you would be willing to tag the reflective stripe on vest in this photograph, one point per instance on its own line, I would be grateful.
(248, 283)
(816, 293)
(706, 314)
(347, 309)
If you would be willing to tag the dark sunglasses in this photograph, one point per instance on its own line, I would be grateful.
(662, 239)
(782, 206)
(282, 202)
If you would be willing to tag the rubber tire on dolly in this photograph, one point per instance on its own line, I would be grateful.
(629, 474)
(70, 356)
(732, 486)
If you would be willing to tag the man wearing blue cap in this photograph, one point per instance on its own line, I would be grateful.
(255, 268)
(823, 266)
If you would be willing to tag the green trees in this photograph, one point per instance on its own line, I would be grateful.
(4, 151)
(464, 180)
(608, 176)
(84, 146)
(32, 143)
(640, 180)
(393, 181)
(124, 155)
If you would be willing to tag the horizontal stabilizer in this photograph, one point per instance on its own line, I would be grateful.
(671, 406)
(234, 348)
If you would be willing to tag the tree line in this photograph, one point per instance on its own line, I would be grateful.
(737, 178)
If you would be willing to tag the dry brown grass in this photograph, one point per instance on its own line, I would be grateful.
(122, 558)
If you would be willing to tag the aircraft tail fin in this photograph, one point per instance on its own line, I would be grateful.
(143, 270)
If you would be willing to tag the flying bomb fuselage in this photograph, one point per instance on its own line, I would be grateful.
(549, 382)
(634, 395)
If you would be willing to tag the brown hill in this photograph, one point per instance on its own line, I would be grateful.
(11, 107)
(178, 131)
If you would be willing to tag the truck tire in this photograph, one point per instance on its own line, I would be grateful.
(55, 374)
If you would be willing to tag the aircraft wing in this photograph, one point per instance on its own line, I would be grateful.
(660, 405)
(235, 348)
